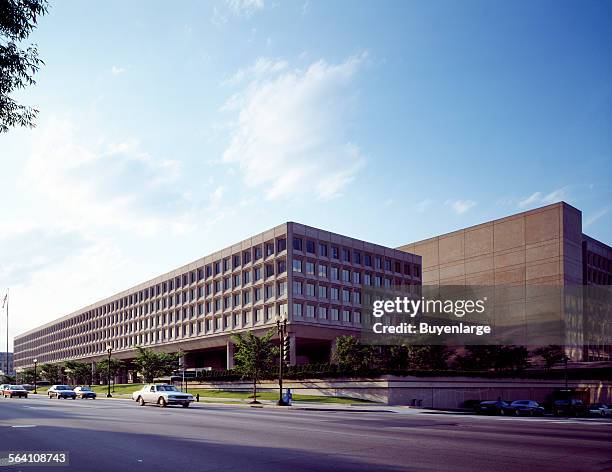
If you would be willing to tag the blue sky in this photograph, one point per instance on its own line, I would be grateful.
(165, 134)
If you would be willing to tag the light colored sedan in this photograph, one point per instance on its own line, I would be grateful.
(600, 409)
(162, 395)
(61, 391)
(85, 392)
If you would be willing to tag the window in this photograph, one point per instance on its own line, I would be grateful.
(322, 291)
(246, 257)
(297, 265)
(257, 253)
(346, 275)
(246, 297)
(297, 309)
(346, 296)
(406, 269)
(346, 255)
(357, 317)
(367, 279)
(281, 245)
(357, 297)
(334, 314)
(258, 294)
(322, 249)
(334, 293)
(310, 268)
(282, 266)
(259, 315)
(322, 270)
(227, 283)
(356, 277)
(310, 247)
(334, 273)
(269, 270)
(357, 257)
(397, 267)
(269, 291)
(246, 318)
(257, 273)
(322, 313)
(236, 280)
(297, 244)
(346, 316)
(282, 289)
(367, 260)
(236, 262)
(377, 281)
(269, 249)
(209, 271)
(378, 263)
(387, 264)
(297, 288)
(310, 290)
(334, 252)
(246, 277)
(226, 264)
(310, 311)
(217, 267)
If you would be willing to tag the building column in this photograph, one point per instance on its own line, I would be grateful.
(230, 355)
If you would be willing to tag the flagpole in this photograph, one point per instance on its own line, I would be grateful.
(6, 299)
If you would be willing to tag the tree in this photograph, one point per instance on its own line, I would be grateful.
(152, 364)
(26, 376)
(17, 65)
(430, 357)
(551, 355)
(254, 356)
(350, 354)
(51, 373)
(102, 368)
(78, 372)
(497, 358)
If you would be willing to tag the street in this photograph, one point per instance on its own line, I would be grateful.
(117, 435)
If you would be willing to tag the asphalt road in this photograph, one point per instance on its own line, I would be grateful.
(117, 435)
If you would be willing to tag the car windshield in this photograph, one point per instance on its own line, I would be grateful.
(166, 388)
(16, 387)
(521, 402)
(85, 389)
(62, 387)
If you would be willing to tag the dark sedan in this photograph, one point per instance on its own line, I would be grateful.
(524, 407)
(569, 408)
(492, 407)
(15, 391)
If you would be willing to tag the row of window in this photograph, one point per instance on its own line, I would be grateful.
(352, 256)
(308, 310)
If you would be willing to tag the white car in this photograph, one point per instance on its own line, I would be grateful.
(162, 395)
(85, 392)
(61, 391)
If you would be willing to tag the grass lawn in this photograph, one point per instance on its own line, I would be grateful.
(127, 389)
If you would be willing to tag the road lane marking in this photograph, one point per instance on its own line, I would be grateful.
(23, 426)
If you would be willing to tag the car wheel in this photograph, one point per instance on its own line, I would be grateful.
(516, 413)
(161, 401)
(141, 401)
(74, 398)
(186, 405)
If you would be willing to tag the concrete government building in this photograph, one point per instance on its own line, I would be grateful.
(313, 276)
(545, 246)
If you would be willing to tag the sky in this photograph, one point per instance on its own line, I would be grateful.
(165, 134)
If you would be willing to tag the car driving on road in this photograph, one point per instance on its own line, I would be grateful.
(85, 392)
(491, 407)
(11, 391)
(600, 409)
(61, 391)
(162, 395)
(524, 407)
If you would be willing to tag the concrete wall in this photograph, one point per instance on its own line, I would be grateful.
(434, 392)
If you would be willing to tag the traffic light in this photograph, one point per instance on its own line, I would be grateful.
(287, 349)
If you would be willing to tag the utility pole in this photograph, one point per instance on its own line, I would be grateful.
(5, 301)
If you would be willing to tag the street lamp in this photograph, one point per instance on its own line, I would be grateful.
(35, 364)
(281, 327)
(109, 349)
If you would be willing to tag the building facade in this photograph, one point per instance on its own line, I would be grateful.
(6, 364)
(541, 247)
(312, 276)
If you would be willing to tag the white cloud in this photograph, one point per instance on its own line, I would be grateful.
(101, 184)
(116, 70)
(423, 205)
(460, 206)
(593, 217)
(244, 7)
(289, 132)
(262, 67)
(540, 198)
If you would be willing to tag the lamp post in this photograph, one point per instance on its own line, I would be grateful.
(281, 327)
(109, 349)
(35, 364)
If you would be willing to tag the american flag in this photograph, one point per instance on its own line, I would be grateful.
(4, 300)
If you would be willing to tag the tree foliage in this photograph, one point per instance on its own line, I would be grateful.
(254, 356)
(79, 373)
(551, 355)
(52, 373)
(152, 364)
(18, 65)
(26, 376)
(497, 358)
(350, 354)
(103, 366)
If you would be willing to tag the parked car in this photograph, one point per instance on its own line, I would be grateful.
(85, 392)
(11, 391)
(162, 395)
(524, 407)
(571, 407)
(492, 407)
(3, 386)
(600, 409)
(61, 391)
